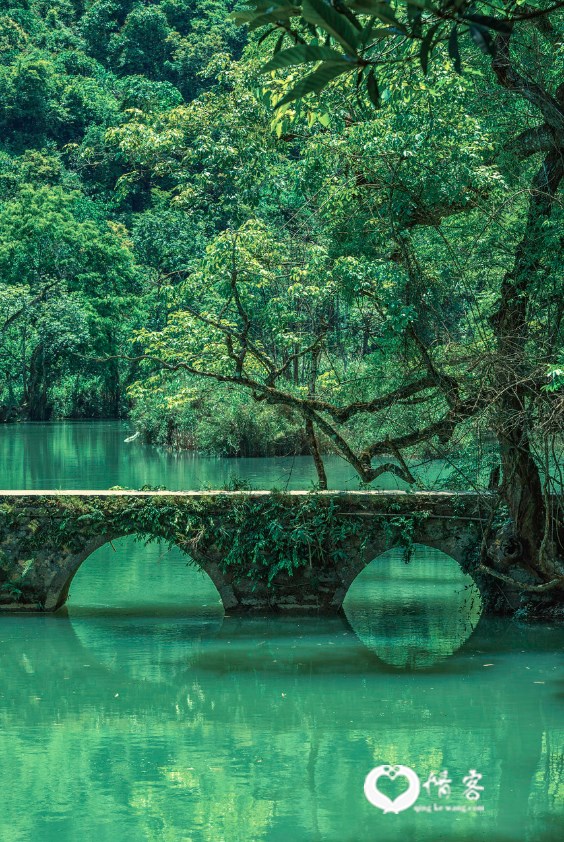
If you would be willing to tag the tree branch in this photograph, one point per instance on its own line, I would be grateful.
(531, 141)
(314, 450)
(443, 428)
(511, 79)
(345, 413)
(522, 586)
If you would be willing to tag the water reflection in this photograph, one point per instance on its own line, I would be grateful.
(156, 722)
(409, 616)
(267, 733)
(413, 615)
(149, 596)
(94, 455)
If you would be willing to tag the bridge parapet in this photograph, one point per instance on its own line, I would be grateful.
(263, 550)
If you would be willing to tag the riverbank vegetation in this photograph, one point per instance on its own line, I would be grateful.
(355, 248)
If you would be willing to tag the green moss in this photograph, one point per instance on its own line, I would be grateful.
(253, 537)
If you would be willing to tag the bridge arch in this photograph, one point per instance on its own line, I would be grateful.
(453, 541)
(59, 586)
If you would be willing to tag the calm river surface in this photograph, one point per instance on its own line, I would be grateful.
(141, 712)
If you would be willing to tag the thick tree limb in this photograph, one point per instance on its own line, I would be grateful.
(345, 413)
(522, 586)
(531, 141)
(511, 79)
(443, 428)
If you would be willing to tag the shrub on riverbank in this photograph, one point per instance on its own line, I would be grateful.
(220, 423)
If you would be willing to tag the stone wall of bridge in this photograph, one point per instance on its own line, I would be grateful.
(325, 539)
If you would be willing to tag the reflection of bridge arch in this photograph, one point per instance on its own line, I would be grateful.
(413, 615)
(515, 746)
(46, 536)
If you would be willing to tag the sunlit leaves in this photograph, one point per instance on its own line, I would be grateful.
(302, 54)
(355, 27)
(314, 82)
(555, 376)
(336, 24)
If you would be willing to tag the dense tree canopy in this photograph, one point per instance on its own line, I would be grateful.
(350, 212)
(80, 265)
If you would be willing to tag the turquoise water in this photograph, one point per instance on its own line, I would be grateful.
(94, 455)
(141, 712)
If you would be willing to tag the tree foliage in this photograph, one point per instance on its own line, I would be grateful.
(349, 213)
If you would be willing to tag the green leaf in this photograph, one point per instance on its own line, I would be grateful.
(483, 39)
(267, 33)
(265, 12)
(272, 14)
(378, 9)
(315, 82)
(488, 22)
(327, 18)
(300, 55)
(426, 47)
(369, 33)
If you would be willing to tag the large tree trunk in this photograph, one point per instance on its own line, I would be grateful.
(522, 491)
(521, 482)
(36, 399)
(317, 458)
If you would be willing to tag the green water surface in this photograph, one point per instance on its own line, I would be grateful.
(141, 712)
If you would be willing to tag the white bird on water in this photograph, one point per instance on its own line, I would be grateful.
(133, 437)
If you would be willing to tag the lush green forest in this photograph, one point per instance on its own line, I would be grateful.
(95, 238)
(355, 249)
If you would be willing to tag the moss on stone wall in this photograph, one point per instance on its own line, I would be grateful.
(256, 537)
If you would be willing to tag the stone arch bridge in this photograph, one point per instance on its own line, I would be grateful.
(263, 550)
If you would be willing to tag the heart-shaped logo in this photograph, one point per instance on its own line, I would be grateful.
(404, 800)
